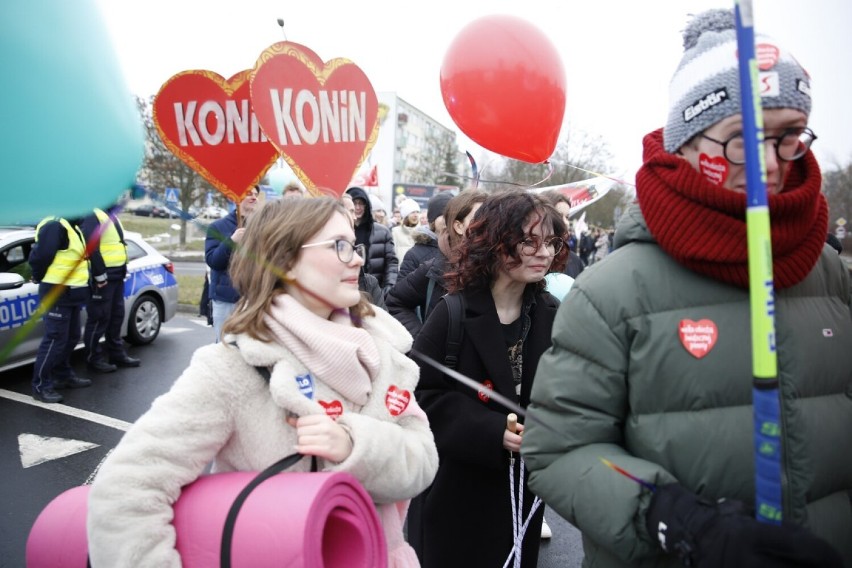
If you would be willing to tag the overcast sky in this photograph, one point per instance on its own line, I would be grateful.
(618, 54)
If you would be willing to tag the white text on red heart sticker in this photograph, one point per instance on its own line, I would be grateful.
(397, 400)
(698, 337)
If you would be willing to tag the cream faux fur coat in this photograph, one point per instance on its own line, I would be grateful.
(221, 410)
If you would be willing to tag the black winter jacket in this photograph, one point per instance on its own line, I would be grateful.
(466, 514)
(407, 300)
(381, 258)
(425, 248)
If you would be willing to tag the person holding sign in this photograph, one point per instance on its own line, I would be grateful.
(649, 380)
(222, 237)
(338, 386)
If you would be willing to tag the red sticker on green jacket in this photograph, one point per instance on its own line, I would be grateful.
(698, 337)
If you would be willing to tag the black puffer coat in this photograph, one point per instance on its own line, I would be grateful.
(381, 258)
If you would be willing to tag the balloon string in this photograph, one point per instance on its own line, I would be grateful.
(477, 179)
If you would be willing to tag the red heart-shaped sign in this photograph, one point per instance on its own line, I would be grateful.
(208, 123)
(322, 117)
(698, 337)
(397, 400)
(332, 408)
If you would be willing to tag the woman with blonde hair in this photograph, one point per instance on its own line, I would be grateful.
(301, 316)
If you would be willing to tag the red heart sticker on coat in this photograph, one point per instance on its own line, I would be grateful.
(322, 117)
(332, 408)
(698, 337)
(483, 393)
(397, 400)
(208, 123)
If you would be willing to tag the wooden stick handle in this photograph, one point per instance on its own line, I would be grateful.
(512, 422)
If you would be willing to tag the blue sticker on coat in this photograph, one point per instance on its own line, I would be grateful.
(306, 385)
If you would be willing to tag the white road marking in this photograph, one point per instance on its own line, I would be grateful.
(173, 331)
(68, 410)
(39, 449)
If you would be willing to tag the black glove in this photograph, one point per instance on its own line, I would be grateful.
(706, 534)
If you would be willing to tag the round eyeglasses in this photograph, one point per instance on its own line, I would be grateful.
(790, 145)
(531, 245)
(344, 249)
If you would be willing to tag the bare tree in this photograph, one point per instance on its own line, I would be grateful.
(162, 169)
(428, 164)
(578, 156)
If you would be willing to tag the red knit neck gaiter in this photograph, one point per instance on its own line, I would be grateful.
(702, 226)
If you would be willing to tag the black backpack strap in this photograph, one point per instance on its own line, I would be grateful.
(429, 289)
(455, 328)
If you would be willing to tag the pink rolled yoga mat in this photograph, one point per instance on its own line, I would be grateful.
(293, 519)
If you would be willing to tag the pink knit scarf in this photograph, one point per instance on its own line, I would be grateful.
(337, 353)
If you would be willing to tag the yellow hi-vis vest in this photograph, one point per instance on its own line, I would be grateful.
(70, 266)
(113, 251)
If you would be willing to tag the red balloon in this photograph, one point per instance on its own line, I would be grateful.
(503, 84)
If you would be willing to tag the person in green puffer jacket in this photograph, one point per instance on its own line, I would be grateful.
(650, 366)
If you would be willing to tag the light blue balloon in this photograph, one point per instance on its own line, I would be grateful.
(558, 284)
(72, 135)
(278, 177)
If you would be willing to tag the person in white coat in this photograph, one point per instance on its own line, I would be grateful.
(301, 315)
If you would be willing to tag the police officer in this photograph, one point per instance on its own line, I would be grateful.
(58, 260)
(105, 308)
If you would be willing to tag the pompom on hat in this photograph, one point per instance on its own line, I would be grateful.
(706, 86)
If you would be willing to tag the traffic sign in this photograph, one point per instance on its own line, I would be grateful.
(171, 195)
(840, 222)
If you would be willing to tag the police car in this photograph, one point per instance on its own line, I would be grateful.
(150, 295)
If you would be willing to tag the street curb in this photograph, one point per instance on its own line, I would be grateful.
(187, 309)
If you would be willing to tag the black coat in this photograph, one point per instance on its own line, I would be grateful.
(425, 248)
(381, 259)
(466, 516)
(574, 266)
(407, 300)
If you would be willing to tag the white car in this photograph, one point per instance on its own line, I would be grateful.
(214, 212)
(150, 295)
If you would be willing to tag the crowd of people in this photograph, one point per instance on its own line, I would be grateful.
(633, 426)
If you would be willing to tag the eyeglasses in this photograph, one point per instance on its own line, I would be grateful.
(790, 145)
(343, 248)
(531, 245)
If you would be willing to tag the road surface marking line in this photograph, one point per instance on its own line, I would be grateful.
(68, 410)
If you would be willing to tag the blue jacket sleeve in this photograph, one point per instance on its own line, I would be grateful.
(218, 245)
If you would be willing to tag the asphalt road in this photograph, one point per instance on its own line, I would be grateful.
(49, 449)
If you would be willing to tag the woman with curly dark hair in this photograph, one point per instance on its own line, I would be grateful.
(468, 517)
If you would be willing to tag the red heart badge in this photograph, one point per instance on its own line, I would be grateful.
(397, 400)
(698, 337)
(332, 408)
(483, 393)
(208, 123)
(322, 117)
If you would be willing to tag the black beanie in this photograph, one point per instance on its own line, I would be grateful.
(437, 205)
